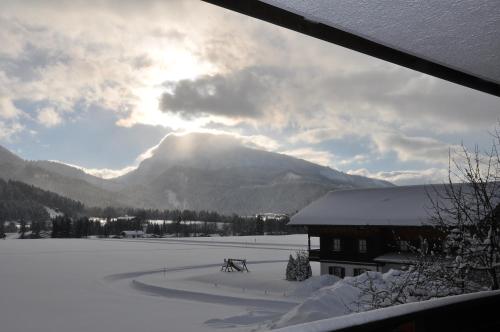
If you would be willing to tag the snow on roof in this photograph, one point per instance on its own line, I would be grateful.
(393, 206)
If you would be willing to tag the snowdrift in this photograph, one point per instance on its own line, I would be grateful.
(337, 299)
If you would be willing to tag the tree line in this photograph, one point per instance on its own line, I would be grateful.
(67, 227)
(27, 205)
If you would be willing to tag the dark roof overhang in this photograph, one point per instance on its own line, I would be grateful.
(328, 32)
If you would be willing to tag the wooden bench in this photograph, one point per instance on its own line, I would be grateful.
(234, 264)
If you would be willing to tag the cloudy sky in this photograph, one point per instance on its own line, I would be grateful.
(98, 83)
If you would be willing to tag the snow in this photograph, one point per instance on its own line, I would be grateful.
(11, 235)
(344, 298)
(168, 285)
(53, 213)
(295, 241)
(132, 233)
(311, 285)
(330, 301)
(137, 285)
(354, 319)
(394, 206)
(291, 176)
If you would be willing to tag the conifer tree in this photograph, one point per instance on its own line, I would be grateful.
(304, 270)
(22, 228)
(2, 230)
(291, 269)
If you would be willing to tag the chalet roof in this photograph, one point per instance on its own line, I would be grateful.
(393, 206)
(454, 40)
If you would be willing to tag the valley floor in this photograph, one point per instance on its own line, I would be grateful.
(145, 284)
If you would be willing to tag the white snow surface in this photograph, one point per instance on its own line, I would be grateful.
(53, 213)
(393, 206)
(354, 319)
(343, 298)
(144, 284)
(168, 285)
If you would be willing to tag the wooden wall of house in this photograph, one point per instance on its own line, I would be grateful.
(380, 240)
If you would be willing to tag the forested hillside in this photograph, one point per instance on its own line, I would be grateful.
(19, 200)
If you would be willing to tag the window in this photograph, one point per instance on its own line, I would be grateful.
(358, 271)
(336, 271)
(362, 246)
(336, 245)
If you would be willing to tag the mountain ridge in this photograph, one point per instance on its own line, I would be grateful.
(196, 171)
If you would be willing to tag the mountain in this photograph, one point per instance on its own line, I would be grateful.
(56, 177)
(196, 171)
(76, 173)
(216, 172)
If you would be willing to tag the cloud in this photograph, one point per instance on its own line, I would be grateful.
(9, 129)
(356, 159)
(316, 105)
(406, 177)
(58, 57)
(324, 158)
(48, 117)
(172, 63)
(260, 142)
(10, 124)
(106, 173)
(252, 141)
(7, 108)
(240, 94)
(245, 70)
(408, 148)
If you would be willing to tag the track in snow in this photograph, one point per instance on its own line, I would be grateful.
(229, 244)
(211, 298)
(199, 296)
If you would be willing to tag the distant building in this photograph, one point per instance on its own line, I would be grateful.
(123, 218)
(132, 234)
(272, 216)
(369, 229)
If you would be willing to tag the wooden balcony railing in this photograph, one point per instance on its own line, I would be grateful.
(314, 255)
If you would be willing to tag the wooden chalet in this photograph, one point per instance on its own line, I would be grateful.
(370, 229)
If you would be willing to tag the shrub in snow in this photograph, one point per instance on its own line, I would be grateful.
(304, 270)
(291, 269)
(299, 268)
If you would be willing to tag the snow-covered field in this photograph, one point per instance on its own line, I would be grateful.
(173, 285)
(145, 284)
